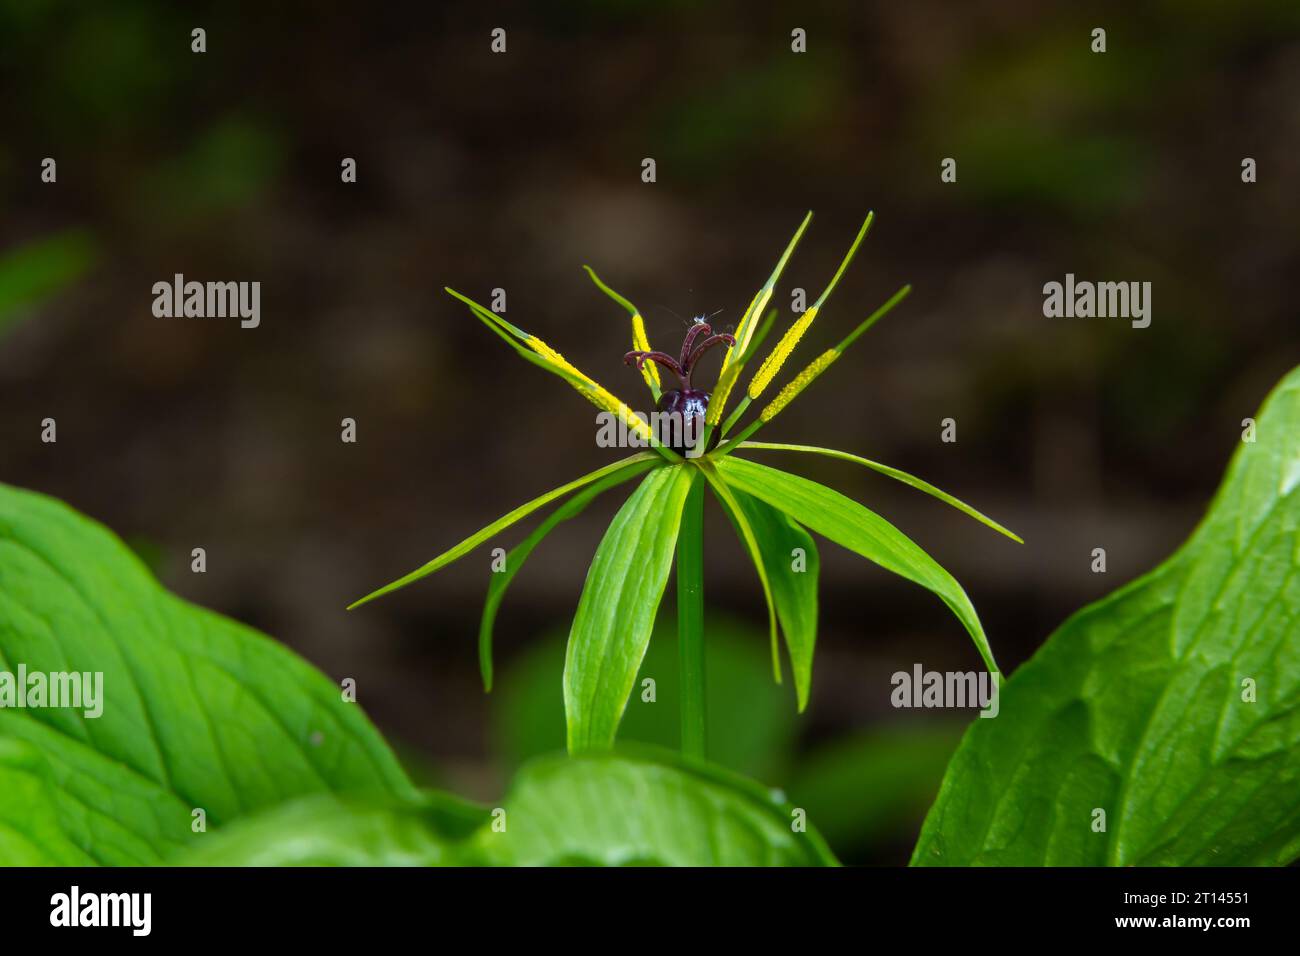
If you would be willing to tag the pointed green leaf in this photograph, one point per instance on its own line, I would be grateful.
(793, 590)
(859, 529)
(736, 355)
(810, 373)
(1172, 706)
(523, 511)
(31, 272)
(519, 554)
(894, 473)
(751, 543)
(755, 312)
(491, 319)
(776, 359)
(617, 610)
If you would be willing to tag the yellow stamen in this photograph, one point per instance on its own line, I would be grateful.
(555, 358)
(602, 399)
(791, 338)
(772, 364)
(595, 393)
(799, 383)
(733, 351)
(750, 323)
(641, 342)
(718, 400)
(745, 331)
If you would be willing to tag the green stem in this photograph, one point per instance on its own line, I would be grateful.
(726, 447)
(690, 620)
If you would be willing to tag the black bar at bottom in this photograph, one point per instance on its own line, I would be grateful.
(335, 906)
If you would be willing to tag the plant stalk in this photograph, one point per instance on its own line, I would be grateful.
(690, 620)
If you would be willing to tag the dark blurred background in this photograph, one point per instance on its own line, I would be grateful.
(479, 171)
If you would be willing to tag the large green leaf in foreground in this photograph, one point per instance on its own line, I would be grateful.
(1173, 706)
(640, 807)
(645, 807)
(329, 829)
(199, 712)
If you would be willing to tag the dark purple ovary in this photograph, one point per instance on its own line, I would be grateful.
(688, 402)
(687, 406)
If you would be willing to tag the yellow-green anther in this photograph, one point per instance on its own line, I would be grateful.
(555, 358)
(750, 323)
(588, 388)
(641, 342)
(760, 334)
(604, 400)
(772, 364)
(776, 358)
(734, 352)
(800, 382)
(536, 351)
(718, 400)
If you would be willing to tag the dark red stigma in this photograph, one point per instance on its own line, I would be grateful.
(682, 366)
(687, 405)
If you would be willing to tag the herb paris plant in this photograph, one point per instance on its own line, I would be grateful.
(770, 510)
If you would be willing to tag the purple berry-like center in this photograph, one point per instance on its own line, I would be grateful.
(687, 408)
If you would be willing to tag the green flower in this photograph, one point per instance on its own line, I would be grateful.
(771, 510)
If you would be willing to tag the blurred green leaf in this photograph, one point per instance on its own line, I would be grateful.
(1058, 137)
(334, 830)
(230, 164)
(1173, 706)
(108, 71)
(750, 720)
(642, 807)
(635, 808)
(780, 104)
(38, 270)
(874, 787)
